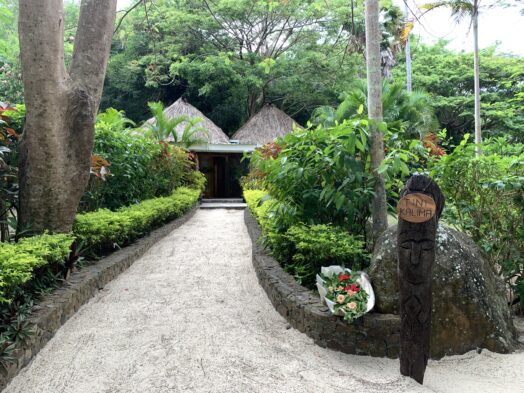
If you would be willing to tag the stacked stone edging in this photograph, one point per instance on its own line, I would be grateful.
(56, 308)
(373, 334)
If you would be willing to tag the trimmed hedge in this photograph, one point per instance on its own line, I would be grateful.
(97, 231)
(303, 249)
(104, 229)
(19, 261)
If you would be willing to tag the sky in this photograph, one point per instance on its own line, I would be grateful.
(505, 25)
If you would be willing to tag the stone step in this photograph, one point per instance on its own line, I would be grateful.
(229, 205)
(223, 200)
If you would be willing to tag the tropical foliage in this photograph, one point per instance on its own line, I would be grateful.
(448, 77)
(228, 58)
(485, 199)
(163, 128)
(129, 167)
(303, 249)
(409, 113)
(10, 132)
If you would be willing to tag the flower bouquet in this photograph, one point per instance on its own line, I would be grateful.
(346, 293)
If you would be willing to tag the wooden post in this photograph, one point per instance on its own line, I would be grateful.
(418, 210)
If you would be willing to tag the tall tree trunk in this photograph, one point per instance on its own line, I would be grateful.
(58, 137)
(476, 76)
(409, 85)
(374, 76)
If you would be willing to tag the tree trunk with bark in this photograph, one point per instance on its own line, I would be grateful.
(374, 77)
(58, 137)
(476, 76)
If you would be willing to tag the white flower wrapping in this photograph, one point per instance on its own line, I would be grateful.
(363, 280)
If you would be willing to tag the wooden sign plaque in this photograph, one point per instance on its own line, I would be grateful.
(416, 208)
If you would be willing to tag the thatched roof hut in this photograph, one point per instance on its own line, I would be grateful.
(265, 126)
(181, 107)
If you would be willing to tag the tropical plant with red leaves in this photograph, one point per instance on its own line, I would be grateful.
(8, 171)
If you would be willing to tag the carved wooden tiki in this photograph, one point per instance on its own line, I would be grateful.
(419, 210)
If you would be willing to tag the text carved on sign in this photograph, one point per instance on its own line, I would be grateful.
(416, 208)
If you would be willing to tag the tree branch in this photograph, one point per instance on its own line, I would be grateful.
(126, 13)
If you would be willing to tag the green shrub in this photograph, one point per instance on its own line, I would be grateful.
(104, 230)
(485, 199)
(19, 261)
(140, 167)
(320, 176)
(253, 199)
(195, 179)
(304, 249)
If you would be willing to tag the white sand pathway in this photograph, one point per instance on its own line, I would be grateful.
(190, 316)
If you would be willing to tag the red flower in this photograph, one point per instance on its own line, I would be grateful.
(343, 277)
(355, 288)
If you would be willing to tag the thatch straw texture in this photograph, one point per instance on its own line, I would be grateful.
(183, 108)
(265, 126)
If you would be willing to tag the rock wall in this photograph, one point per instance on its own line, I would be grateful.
(374, 334)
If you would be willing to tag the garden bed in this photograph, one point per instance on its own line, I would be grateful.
(373, 334)
(52, 311)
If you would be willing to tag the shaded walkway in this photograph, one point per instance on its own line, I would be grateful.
(190, 316)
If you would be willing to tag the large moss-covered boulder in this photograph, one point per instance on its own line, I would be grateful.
(469, 306)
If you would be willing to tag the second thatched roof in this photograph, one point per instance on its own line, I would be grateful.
(181, 107)
(264, 127)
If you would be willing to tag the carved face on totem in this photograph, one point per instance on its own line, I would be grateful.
(416, 250)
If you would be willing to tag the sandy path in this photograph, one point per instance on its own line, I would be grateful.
(190, 317)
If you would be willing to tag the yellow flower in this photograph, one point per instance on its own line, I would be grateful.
(341, 299)
(330, 289)
(352, 305)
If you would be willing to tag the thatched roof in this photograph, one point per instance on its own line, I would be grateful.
(265, 126)
(183, 108)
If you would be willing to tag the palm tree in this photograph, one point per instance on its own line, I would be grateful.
(405, 112)
(163, 127)
(410, 113)
(461, 9)
(374, 77)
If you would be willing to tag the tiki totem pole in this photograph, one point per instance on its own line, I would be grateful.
(418, 210)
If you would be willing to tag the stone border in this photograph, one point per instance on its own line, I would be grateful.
(373, 334)
(56, 308)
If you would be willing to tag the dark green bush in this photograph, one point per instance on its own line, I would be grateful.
(321, 176)
(485, 199)
(303, 249)
(324, 176)
(140, 167)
